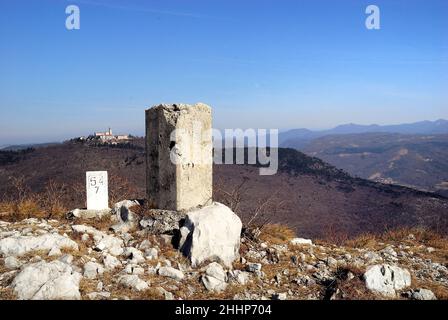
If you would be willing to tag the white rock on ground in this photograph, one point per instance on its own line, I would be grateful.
(88, 214)
(47, 281)
(54, 252)
(215, 277)
(151, 254)
(12, 263)
(92, 270)
(66, 258)
(98, 295)
(133, 282)
(110, 262)
(301, 241)
(166, 294)
(19, 245)
(211, 233)
(171, 272)
(423, 294)
(103, 241)
(134, 255)
(126, 218)
(241, 277)
(386, 279)
(134, 269)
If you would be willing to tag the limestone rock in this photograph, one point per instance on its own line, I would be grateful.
(423, 294)
(211, 233)
(386, 279)
(171, 273)
(47, 281)
(19, 245)
(54, 252)
(92, 270)
(12, 263)
(253, 267)
(151, 254)
(88, 214)
(66, 258)
(215, 277)
(134, 255)
(134, 269)
(98, 295)
(162, 221)
(133, 282)
(110, 262)
(103, 241)
(301, 241)
(166, 294)
(127, 219)
(240, 277)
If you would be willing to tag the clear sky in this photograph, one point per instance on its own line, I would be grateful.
(260, 64)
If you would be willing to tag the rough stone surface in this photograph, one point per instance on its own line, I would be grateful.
(12, 263)
(125, 217)
(133, 282)
(98, 295)
(300, 241)
(253, 267)
(162, 221)
(19, 245)
(103, 241)
(110, 262)
(134, 269)
(134, 255)
(215, 278)
(188, 183)
(241, 277)
(88, 214)
(92, 270)
(171, 273)
(423, 294)
(211, 233)
(166, 294)
(47, 281)
(386, 279)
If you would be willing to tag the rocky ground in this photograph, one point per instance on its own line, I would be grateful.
(86, 259)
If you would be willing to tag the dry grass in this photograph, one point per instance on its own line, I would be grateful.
(7, 294)
(363, 241)
(276, 233)
(120, 188)
(24, 204)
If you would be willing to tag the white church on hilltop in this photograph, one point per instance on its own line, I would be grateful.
(108, 136)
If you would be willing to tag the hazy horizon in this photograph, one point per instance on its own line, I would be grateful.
(141, 133)
(259, 64)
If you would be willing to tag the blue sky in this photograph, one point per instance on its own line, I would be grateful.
(260, 64)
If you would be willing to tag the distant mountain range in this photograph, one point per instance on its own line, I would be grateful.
(300, 138)
(412, 154)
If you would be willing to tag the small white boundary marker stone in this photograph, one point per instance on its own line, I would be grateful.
(97, 190)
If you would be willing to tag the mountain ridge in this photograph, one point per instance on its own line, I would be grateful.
(299, 138)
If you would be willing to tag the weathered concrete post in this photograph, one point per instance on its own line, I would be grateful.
(183, 131)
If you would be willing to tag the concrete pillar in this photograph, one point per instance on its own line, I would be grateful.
(179, 156)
